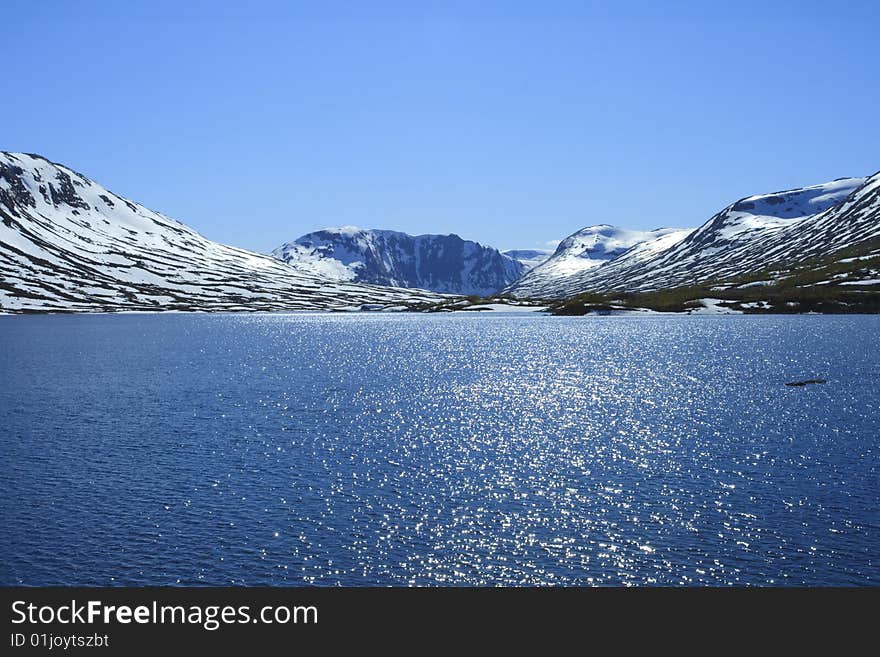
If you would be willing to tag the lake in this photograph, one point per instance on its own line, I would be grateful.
(409, 449)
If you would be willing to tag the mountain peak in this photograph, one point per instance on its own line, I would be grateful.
(588, 248)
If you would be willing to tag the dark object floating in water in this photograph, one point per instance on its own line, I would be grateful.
(807, 382)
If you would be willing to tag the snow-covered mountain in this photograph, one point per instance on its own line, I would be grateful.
(442, 263)
(756, 234)
(67, 243)
(582, 252)
(529, 258)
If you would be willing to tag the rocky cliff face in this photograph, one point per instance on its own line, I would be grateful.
(442, 263)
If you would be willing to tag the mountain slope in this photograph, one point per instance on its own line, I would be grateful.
(756, 233)
(67, 243)
(586, 250)
(768, 232)
(442, 263)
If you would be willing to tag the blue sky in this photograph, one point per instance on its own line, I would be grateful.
(512, 123)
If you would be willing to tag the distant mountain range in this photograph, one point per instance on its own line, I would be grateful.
(530, 258)
(69, 244)
(442, 263)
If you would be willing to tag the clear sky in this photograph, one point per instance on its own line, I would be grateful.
(512, 123)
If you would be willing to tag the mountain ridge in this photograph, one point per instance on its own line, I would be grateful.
(441, 263)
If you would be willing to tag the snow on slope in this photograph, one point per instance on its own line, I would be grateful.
(586, 250)
(757, 232)
(443, 263)
(67, 243)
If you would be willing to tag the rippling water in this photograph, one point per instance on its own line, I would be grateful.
(409, 449)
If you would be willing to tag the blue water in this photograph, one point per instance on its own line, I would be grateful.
(409, 449)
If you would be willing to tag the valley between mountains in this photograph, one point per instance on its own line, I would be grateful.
(67, 244)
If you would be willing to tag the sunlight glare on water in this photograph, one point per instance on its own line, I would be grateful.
(410, 449)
